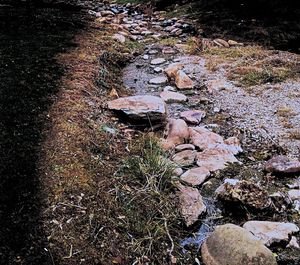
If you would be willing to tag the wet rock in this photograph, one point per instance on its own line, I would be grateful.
(140, 108)
(182, 81)
(173, 97)
(231, 244)
(245, 193)
(183, 147)
(282, 164)
(196, 176)
(158, 80)
(294, 194)
(185, 158)
(177, 133)
(119, 37)
(191, 204)
(221, 43)
(172, 70)
(271, 232)
(158, 61)
(215, 159)
(204, 138)
(193, 116)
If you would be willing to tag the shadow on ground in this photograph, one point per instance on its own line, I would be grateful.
(29, 79)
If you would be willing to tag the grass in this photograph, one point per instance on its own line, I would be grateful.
(252, 65)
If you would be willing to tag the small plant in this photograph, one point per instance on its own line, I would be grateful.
(150, 165)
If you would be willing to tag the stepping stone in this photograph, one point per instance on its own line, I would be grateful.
(193, 116)
(173, 97)
(215, 159)
(177, 133)
(140, 109)
(195, 176)
(204, 138)
(191, 204)
(271, 232)
(159, 80)
(183, 147)
(231, 244)
(282, 164)
(158, 61)
(185, 158)
(182, 81)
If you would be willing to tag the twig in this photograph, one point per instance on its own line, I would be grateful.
(70, 253)
(170, 251)
(72, 205)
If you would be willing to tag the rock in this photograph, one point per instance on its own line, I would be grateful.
(233, 145)
(146, 57)
(183, 147)
(271, 232)
(231, 244)
(195, 176)
(119, 37)
(169, 88)
(193, 116)
(245, 193)
(235, 43)
(221, 43)
(140, 108)
(106, 13)
(168, 50)
(173, 97)
(177, 133)
(172, 70)
(293, 243)
(204, 138)
(185, 158)
(158, 61)
(191, 204)
(177, 171)
(215, 85)
(294, 194)
(153, 52)
(215, 159)
(146, 33)
(182, 81)
(221, 190)
(282, 164)
(157, 70)
(158, 80)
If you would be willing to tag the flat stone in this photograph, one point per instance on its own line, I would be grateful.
(294, 194)
(195, 176)
(173, 97)
(177, 133)
(158, 80)
(231, 244)
(169, 88)
(158, 61)
(182, 81)
(183, 147)
(193, 116)
(271, 232)
(185, 158)
(204, 138)
(215, 159)
(153, 52)
(140, 108)
(177, 171)
(282, 164)
(191, 204)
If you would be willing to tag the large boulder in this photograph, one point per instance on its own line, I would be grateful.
(271, 232)
(232, 245)
(140, 109)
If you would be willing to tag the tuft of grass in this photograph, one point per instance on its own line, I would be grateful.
(286, 112)
(169, 41)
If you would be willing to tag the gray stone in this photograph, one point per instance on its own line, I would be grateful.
(158, 80)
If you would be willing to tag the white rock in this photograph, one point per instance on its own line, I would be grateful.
(158, 61)
(271, 232)
(158, 80)
(173, 97)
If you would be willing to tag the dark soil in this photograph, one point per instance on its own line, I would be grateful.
(29, 74)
